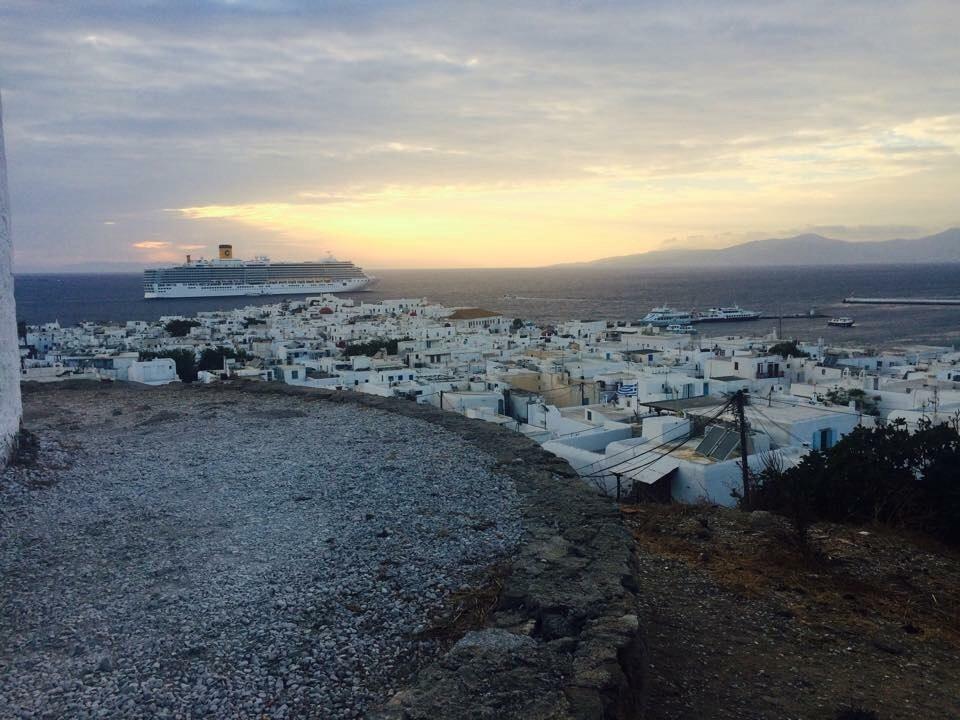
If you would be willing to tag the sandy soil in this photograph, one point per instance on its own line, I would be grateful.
(742, 623)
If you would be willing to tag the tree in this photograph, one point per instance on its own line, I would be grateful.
(788, 349)
(211, 359)
(841, 396)
(185, 360)
(882, 474)
(372, 347)
(180, 328)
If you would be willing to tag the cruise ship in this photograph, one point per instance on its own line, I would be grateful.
(227, 276)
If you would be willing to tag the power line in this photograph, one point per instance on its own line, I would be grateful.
(782, 427)
(611, 469)
(644, 465)
(826, 408)
(622, 452)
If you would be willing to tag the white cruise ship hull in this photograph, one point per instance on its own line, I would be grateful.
(188, 290)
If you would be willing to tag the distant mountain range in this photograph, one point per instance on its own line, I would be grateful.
(802, 250)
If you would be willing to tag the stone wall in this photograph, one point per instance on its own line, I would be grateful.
(10, 409)
(563, 642)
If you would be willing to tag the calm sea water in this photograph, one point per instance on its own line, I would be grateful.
(566, 293)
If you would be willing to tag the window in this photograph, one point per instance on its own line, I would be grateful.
(736, 366)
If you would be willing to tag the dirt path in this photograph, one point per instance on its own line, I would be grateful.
(740, 626)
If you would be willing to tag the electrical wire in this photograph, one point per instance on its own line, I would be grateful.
(823, 407)
(789, 432)
(612, 469)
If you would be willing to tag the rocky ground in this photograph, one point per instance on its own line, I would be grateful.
(183, 553)
(742, 623)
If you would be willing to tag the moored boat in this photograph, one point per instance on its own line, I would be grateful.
(733, 313)
(663, 316)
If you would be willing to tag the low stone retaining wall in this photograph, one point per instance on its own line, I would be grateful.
(564, 641)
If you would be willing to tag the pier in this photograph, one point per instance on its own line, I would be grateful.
(901, 301)
(792, 316)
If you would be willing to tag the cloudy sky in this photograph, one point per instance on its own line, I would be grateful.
(449, 134)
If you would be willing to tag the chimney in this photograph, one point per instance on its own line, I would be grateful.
(226, 252)
(188, 259)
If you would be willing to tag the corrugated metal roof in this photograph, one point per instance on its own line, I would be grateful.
(652, 473)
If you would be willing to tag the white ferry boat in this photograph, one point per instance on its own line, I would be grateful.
(727, 314)
(664, 316)
(841, 322)
(226, 276)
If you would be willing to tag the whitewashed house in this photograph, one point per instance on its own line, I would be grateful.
(159, 371)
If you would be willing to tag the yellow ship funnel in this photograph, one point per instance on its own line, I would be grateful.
(226, 252)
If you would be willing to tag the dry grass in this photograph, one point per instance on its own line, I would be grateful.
(843, 576)
(468, 609)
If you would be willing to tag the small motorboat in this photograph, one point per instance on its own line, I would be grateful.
(841, 322)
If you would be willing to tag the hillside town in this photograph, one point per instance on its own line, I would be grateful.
(632, 407)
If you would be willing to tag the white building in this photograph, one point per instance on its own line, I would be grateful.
(10, 407)
(159, 371)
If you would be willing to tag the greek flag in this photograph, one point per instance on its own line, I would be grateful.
(627, 390)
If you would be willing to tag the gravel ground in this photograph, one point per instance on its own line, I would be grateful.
(184, 553)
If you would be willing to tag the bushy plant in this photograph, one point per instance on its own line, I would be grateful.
(372, 347)
(180, 328)
(881, 474)
(787, 349)
(185, 360)
(211, 359)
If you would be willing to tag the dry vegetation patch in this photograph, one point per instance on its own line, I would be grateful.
(849, 618)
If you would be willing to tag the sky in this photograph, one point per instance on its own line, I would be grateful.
(450, 134)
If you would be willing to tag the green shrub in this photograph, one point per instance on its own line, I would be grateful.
(180, 328)
(883, 474)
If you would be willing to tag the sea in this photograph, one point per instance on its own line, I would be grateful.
(548, 295)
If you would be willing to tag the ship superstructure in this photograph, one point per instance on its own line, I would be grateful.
(727, 314)
(664, 316)
(227, 276)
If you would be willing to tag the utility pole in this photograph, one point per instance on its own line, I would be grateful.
(740, 400)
